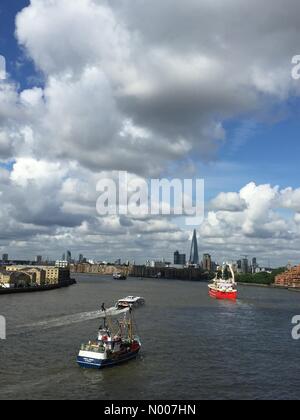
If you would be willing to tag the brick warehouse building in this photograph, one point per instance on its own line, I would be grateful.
(290, 278)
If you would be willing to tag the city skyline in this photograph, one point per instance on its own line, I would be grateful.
(73, 109)
(244, 265)
(180, 258)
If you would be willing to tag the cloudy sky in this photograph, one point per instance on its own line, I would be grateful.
(171, 88)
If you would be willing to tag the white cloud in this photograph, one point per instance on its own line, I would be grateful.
(258, 217)
(118, 92)
(32, 97)
(229, 202)
(29, 170)
(290, 199)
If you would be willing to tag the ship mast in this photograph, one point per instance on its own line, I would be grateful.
(130, 327)
(232, 273)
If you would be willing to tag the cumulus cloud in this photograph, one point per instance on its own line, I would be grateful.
(50, 207)
(120, 91)
(229, 202)
(251, 212)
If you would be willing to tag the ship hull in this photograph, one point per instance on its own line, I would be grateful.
(218, 294)
(94, 363)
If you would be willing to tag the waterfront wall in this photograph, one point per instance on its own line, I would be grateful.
(103, 270)
(189, 273)
(32, 289)
(141, 271)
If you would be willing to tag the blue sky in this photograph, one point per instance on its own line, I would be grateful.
(266, 153)
(9, 47)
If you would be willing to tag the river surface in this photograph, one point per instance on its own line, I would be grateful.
(193, 347)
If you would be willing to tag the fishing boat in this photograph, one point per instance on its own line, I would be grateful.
(130, 302)
(119, 276)
(116, 342)
(224, 288)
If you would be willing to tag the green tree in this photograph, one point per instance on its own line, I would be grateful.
(260, 278)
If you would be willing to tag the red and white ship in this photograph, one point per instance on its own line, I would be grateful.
(222, 288)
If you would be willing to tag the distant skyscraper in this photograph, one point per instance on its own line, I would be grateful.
(206, 262)
(194, 255)
(80, 258)
(39, 259)
(69, 256)
(179, 259)
(5, 257)
(245, 266)
(254, 265)
(63, 258)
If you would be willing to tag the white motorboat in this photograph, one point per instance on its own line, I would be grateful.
(130, 301)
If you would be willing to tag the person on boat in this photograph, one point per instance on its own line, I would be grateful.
(103, 309)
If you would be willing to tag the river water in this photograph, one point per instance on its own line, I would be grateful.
(193, 347)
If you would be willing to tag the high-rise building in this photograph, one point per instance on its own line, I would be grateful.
(5, 257)
(179, 259)
(206, 262)
(39, 259)
(194, 255)
(245, 266)
(81, 258)
(254, 265)
(69, 257)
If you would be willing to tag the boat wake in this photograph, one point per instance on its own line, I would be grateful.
(63, 321)
(66, 320)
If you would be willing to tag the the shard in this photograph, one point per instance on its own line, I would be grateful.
(194, 255)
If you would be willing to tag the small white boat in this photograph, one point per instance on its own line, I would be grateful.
(119, 276)
(130, 301)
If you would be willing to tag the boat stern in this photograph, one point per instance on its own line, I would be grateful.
(92, 360)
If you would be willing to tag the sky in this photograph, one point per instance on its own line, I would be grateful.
(196, 89)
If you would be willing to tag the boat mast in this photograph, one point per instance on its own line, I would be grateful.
(232, 273)
(130, 329)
